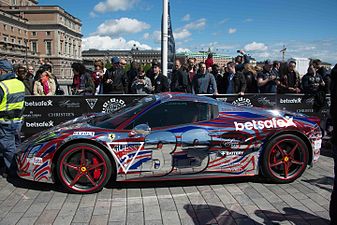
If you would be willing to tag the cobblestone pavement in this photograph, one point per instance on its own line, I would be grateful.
(230, 201)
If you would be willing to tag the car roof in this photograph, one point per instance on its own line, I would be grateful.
(171, 96)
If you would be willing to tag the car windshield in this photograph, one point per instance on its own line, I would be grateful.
(114, 119)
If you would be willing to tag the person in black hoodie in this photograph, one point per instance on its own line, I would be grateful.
(333, 112)
(159, 81)
(179, 82)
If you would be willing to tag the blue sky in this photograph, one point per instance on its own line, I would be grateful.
(261, 27)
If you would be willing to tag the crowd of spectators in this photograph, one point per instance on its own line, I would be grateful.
(237, 77)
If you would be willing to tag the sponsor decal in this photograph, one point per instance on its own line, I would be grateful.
(230, 153)
(39, 103)
(265, 101)
(310, 101)
(230, 143)
(61, 114)
(125, 153)
(84, 133)
(69, 104)
(92, 102)
(242, 102)
(305, 110)
(222, 99)
(40, 124)
(291, 100)
(36, 161)
(260, 125)
(112, 137)
(113, 105)
(32, 115)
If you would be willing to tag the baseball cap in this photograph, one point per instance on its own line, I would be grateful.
(115, 60)
(5, 65)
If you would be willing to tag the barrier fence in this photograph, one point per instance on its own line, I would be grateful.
(43, 112)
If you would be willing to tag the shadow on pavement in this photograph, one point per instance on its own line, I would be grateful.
(185, 183)
(325, 183)
(33, 185)
(209, 214)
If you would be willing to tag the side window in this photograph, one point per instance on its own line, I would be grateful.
(175, 113)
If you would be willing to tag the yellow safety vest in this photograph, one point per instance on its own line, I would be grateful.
(11, 106)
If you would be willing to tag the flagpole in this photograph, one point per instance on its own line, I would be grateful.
(164, 35)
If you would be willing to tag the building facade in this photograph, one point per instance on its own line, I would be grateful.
(219, 59)
(141, 56)
(29, 32)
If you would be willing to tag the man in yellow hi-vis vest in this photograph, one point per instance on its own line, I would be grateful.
(12, 94)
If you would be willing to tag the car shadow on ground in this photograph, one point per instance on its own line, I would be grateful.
(325, 183)
(185, 183)
(33, 185)
(210, 214)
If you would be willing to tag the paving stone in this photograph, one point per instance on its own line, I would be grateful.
(83, 214)
(11, 218)
(99, 220)
(135, 218)
(47, 217)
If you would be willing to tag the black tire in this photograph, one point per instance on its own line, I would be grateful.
(83, 168)
(284, 158)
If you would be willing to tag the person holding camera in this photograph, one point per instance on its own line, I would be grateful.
(141, 84)
(289, 82)
(266, 80)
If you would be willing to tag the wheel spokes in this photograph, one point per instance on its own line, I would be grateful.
(291, 153)
(70, 165)
(77, 177)
(297, 162)
(91, 179)
(276, 164)
(83, 161)
(96, 166)
(280, 150)
(286, 170)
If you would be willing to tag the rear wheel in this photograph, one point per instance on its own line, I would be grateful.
(83, 168)
(285, 158)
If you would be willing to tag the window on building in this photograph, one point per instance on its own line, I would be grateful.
(34, 46)
(48, 47)
(12, 29)
(5, 38)
(33, 33)
(13, 40)
(5, 27)
(13, 2)
(48, 33)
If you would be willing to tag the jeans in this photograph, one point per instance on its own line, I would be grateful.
(333, 201)
(9, 142)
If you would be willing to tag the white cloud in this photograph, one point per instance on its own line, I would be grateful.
(224, 21)
(120, 26)
(114, 5)
(155, 36)
(254, 46)
(196, 25)
(92, 15)
(180, 50)
(248, 20)
(187, 17)
(232, 30)
(106, 42)
(181, 34)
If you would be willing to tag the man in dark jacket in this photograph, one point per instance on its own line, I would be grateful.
(26, 78)
(333, 112)
(115, 80)
(179, 82)
(160, 82)
(235, 82)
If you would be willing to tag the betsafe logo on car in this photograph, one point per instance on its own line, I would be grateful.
(261, 124)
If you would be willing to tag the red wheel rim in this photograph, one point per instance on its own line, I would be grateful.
(287, 159)
(83, 169)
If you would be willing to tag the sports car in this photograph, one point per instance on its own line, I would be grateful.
(171, 136)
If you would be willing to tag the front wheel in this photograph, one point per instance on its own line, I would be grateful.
(83, 168)
(285, 158)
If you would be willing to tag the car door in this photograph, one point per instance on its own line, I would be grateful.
(177, 143)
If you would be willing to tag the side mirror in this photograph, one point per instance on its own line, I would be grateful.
(142, 129)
